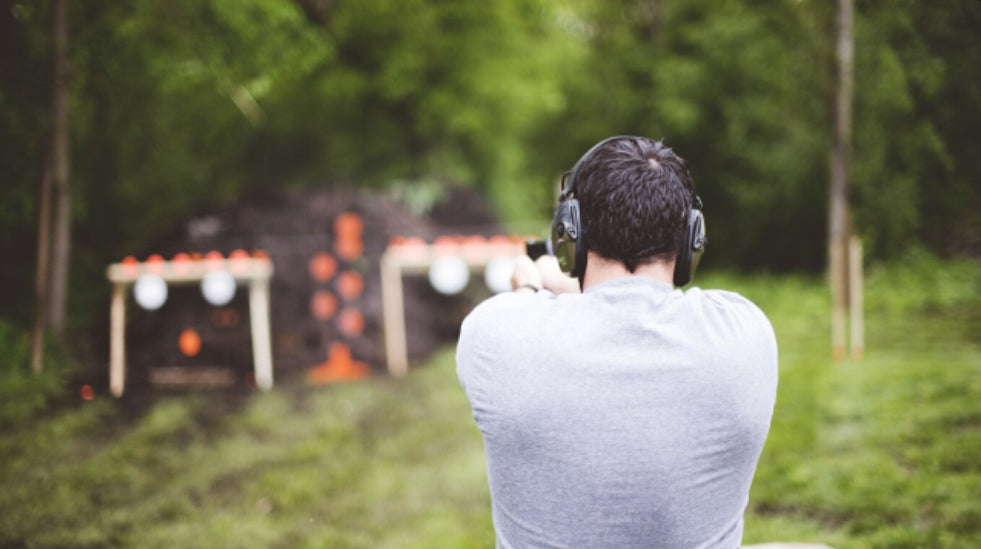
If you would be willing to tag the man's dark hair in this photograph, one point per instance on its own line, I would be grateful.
(634, 195)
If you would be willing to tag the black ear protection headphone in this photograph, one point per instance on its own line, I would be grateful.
(568, 241)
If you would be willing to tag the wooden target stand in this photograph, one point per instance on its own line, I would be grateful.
(256, 270)
(413, 256)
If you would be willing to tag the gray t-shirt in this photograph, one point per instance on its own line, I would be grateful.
(631, 415)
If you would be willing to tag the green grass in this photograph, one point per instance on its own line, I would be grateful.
(885, 452)
(881, 453)
(371, 464)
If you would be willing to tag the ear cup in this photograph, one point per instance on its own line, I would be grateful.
(566, 238)
(691, 250)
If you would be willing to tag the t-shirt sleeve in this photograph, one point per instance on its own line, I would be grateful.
(742, 319)
(486, 336)
(466, 352)
(474, 358)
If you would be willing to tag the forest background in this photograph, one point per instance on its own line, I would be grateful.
(181, 106)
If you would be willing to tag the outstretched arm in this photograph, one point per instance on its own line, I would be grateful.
(544, 273)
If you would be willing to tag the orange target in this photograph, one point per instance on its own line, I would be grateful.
(238, 261)
(350, 284)
(347, 229)
(323, 305)
(349, 247)
(181, 263)
(350, 322)
(322, 267)
(154, 264)
(340, 366)
(213, 260)
(225, 317)
(189, 342)
(348, 224)
(131, 266)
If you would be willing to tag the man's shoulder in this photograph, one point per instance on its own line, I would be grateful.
(503, 307)
(722, 299)
(512, 301)
(729, 303)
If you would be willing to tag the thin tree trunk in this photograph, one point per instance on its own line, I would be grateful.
(43, 257)
(839, 222)
(61, 170)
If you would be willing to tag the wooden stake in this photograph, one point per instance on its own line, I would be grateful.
(393, 316)
(261, 341)
(855, 305)
(839, 299)
(117, 340)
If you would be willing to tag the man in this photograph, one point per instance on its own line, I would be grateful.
(630, 413)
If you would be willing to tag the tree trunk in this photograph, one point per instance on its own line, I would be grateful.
(839, 219)
(61, 169)
(43, 257)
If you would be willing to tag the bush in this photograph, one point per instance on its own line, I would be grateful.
(23, 393)
(920, 282)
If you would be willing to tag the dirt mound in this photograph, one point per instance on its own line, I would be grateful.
(320, 293)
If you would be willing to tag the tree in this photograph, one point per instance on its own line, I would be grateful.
(54, 241)
(839, 216)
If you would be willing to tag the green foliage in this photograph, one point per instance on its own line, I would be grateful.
(23, 393)
(932, 285)
(179, 107)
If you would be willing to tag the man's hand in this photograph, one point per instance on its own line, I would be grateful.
(525, 276)
(553, 279)
(542, 273)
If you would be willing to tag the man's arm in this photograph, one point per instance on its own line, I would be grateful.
(525, 278)
(543, 273)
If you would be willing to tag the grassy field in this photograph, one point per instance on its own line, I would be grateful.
(881, 453)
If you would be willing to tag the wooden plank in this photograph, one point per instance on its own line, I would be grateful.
(193, 271)
(180, 376)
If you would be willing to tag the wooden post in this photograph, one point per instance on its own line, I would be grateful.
(839, 299)
(400, 260)
(117, 339)
(261, 344)
(855, 303)
(393, 316)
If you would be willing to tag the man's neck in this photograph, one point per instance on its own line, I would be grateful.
(599, 270)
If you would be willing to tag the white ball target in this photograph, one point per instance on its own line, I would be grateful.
(498, 273)
(218, 288)
(449, 275)
(150, 291)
